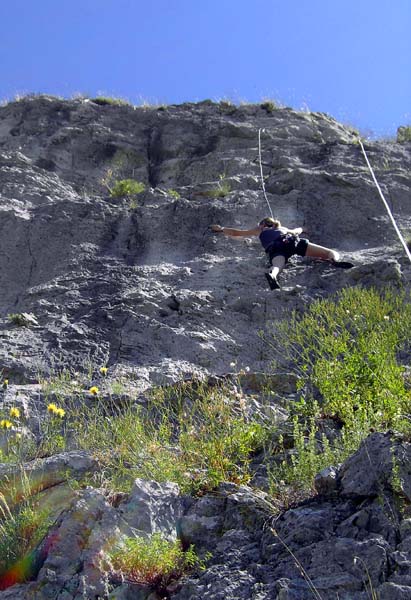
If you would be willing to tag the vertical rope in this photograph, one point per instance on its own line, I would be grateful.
(261, 172)
(403, 242)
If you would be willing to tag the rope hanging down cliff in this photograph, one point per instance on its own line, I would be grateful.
(403, 242)
(261, 172)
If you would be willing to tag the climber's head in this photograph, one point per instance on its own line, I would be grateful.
(269, 222)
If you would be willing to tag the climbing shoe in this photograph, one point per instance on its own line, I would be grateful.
(342, 264)
(272, 282)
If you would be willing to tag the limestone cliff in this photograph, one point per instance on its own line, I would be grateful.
(104, 279)
(141, 285)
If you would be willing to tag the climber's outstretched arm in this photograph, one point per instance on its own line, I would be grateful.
(229, 231)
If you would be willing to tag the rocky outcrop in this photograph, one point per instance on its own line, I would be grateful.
(351, 542)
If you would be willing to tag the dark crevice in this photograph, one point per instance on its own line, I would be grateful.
(154, 156)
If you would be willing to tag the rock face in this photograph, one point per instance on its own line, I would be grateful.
(149, 289)
(141, 285)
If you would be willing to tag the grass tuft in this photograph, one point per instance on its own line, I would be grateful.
(154, 562)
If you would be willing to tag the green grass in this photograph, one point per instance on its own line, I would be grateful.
(192, 434)
(222, 190)
(345, 351)
(22, 527)
(154, 562)
(17, 319)
(188, 434)
(109, 101)
(404, 134)
(173, 193)
(126, 187)
(349, 353)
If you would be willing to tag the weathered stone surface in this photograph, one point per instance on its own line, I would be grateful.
(141, 285)
(153, 508)
(326, 481)
(45, 473)
(370, 470)
(98, 275)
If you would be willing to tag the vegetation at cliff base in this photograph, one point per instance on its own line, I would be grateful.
(152, 561)
(22, 527)
(346, 352)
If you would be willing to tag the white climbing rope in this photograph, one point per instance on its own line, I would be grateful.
(403, 242)
(261, 172)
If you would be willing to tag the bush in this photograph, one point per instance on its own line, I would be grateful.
(269, 106)
(127, 187)
(347, 348)
(173, 193)
(345, 352)
(222, 190)
(153, 562)
(107, 101)
(404, 134)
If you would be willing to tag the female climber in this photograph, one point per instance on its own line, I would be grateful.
(280, 243)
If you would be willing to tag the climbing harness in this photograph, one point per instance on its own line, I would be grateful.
(261, 171)
(403, 242)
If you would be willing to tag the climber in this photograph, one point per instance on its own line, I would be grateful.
(280, 243)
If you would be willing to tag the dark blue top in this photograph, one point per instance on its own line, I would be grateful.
(271, 235)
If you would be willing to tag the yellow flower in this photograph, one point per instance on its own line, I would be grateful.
(60, 412)
(103, 370)
(94, 390)
(5, 383)
(52, 408)
(15, 412)
(5, 424)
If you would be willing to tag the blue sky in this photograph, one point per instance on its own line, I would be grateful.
(349, 58)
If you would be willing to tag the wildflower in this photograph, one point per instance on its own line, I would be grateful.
(5, 383)
(232, 364)
(5, 424)
(52, 408)
(386, 318)
(15, 412)
(94, 390)
(103, 370)
(60, 412)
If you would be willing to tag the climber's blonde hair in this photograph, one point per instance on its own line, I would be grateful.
(270, 222)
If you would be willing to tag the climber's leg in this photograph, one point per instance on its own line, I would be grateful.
(314, 251)
(277, 265)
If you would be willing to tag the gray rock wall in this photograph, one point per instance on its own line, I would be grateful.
(104, 279)
(142, 285)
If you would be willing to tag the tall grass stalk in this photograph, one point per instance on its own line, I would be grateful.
(23, 524)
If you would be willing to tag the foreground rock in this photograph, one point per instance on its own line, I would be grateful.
(356, 539)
